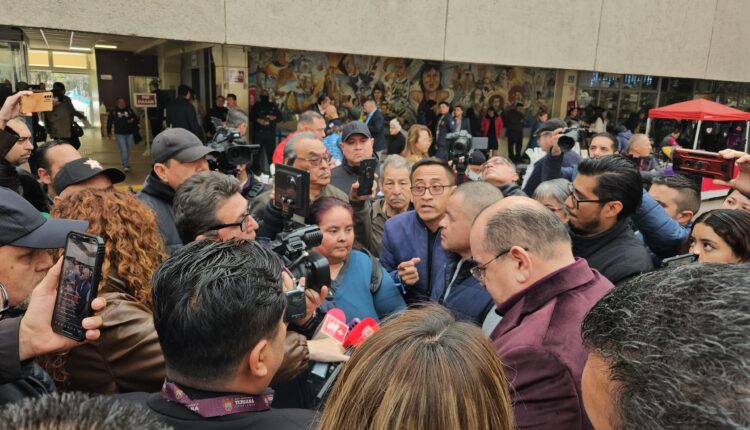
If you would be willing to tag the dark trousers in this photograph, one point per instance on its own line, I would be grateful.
(515, 144)
(156, 126)
(267, 142)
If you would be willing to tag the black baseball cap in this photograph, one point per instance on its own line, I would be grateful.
(83, 169)
(178, 144)
(22, 225)
(551, 125)
(476, 158)
(355, 127)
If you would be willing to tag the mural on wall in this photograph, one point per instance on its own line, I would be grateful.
(403, 88)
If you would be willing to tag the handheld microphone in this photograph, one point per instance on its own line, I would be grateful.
(360, 333)
(333, 326)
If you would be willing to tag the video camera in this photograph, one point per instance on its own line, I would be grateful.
(291, 194)
(459, 143)
(232, 150)
(570, 136)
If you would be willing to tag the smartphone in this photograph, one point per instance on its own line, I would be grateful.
(702, 163)
(679, 260)
(7, 140)
(37, 102)
(366, 176)
(78, 284)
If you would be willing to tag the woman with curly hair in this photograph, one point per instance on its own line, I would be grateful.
(127, 357)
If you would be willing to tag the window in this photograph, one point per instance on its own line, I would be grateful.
(69, 60)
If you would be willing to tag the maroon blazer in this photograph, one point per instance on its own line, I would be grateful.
(539, 342)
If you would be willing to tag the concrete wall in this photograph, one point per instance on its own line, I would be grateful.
(703, 39)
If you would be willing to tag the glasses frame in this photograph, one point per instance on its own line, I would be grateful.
(240, 223)
(577, 201)
(436, 186)
(315, 161)
(478, 271)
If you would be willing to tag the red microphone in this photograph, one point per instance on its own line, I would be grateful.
(361, 332)
(334, 326)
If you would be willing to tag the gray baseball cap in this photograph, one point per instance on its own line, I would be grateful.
(355, 127)
(22, 225)
(178, 144)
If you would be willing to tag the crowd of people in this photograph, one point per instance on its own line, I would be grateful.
(493, 303)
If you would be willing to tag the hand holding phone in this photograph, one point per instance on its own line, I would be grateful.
(679, 260)
(78, 284)
(366, 176)
(703, 163)
(36, 102)
(35, 334)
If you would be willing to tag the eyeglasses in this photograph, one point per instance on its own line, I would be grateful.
(435, 190)
(577, 201)
(315, 161)
(479, 271)
(495, 161)
(241, 223)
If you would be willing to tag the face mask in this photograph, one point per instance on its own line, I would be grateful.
(474, 176)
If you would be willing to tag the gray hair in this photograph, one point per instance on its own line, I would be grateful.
(77, 411)
(308, 116)
(477, 197)
(677, 344)
(290, 147)
(556, 189)
(534, 228)
(394, 161)
(197, 200)
(236, 117)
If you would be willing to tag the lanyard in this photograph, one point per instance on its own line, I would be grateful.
(218, 406)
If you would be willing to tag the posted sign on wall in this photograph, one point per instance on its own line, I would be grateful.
(144, 100)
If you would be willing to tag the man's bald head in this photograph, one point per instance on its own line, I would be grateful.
(640, 146)
(519, 221)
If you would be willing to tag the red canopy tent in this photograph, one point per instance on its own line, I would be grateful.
(699, 110)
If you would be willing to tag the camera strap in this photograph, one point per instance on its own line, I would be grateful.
(218, 406)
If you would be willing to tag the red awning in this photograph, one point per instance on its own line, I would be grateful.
(699, 109)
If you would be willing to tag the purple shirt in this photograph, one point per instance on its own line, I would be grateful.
(539, 342)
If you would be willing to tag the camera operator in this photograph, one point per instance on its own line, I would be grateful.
(264, 115)
(555, 160)
(28, 285)
(462, 293)
(356, 145)
(305, 151)
(501, 173)
(208, 205)
(177, 154)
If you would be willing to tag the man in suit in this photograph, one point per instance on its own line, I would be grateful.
(445, 124)
(181, 113)
(461, 122)
(376, 123)
(524, 258)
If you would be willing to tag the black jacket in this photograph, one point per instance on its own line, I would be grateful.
(214, 112)
(512, 189)
(462, 293)
(158, 196)
(262, 110)
(395, 143)
(445, 124)
(180, 417)
(124, 120)
(181, 114)
(24, 184)
(616, 253)
(377, 129)
(18, 380)
(344, 176)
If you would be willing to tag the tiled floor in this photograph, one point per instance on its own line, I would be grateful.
(105, 150)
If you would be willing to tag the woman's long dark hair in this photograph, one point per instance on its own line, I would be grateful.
(733, 226)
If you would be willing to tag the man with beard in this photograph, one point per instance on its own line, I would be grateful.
(606, 191)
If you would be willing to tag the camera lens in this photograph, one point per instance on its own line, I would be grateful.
(314, 268)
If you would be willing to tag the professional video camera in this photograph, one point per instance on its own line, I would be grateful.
(570, 136)
(291, 194)
(232, 150)
(459, 146)
(459, 143)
